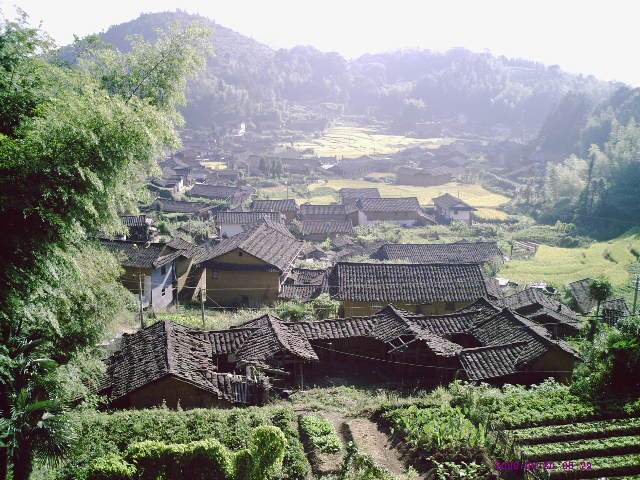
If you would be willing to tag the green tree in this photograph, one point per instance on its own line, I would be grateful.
(599, 290)
(75, 143)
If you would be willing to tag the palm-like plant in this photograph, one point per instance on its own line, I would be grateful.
(599, 290)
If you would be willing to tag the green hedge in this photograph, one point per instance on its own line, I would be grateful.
(320, 434)
(97, 434)
(199, 460)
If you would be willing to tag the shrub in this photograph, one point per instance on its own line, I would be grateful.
(151, 459)
(111, 467)
(204, 460)
(293, 311)
(201, 460)
(320, 434)
(97, 434)
(263, 458)
(295, 463)
(324, 307)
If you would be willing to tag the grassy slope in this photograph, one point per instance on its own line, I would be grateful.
(563, 265)
(475, 195)
(351, 142)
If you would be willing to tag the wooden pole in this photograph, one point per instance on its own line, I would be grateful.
(140, 300)
(635, 295)
(202, 305)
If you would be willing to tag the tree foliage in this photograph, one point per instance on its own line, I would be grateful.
(74, 144)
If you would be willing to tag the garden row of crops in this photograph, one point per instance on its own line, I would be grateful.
(579, 449)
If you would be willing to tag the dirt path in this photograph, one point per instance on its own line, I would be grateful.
(376, 444)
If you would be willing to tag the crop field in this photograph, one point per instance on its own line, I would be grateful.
(559, 266)
(582, 450)
(214, 165)
(326, 191)
(352, 142)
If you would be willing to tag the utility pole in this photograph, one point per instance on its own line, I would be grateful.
(141, 313)
(635, 295)
(202, 305)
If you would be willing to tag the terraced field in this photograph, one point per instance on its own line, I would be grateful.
(559, 266)
(596, 449)
(326, 191)
(352, 142)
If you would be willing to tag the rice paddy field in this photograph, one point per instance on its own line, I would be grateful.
(352, 142)
(326, 191)
(615, 259)
(214, 165)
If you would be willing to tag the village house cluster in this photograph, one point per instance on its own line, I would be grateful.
(412, 315)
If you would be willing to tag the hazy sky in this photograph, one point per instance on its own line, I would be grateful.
(586, 36)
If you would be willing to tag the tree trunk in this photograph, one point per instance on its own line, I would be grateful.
(4, 452)
(4, 463)
(22, 460)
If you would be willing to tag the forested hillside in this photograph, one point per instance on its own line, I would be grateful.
(246, 78)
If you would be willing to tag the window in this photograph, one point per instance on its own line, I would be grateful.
(164, 290)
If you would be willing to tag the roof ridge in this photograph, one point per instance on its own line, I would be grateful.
(489, 347)
(168, 331)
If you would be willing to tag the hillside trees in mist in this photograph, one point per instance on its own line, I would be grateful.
(244, 78)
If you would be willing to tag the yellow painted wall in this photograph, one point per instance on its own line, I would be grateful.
(232, 287)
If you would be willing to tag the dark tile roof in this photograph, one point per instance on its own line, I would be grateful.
(178, 206)
(388, 325)
(162, 350)
(277, 205)
(336, 328)
(218, 192)
(406, 283)
(459, 252)
(271, 337)
(267, 241)
(187, 249)
(308, 276)
(136, 220)
(614, 309)
(307, 209)
(580, 292)
(533, 302)
(353, 194)
(303, 284)
(224, 342)
(408, 204)
(508, 327)
(246, 218)
(301, 293)
(449, 201)
(485, 363)
(143, 255)
(327, 227)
